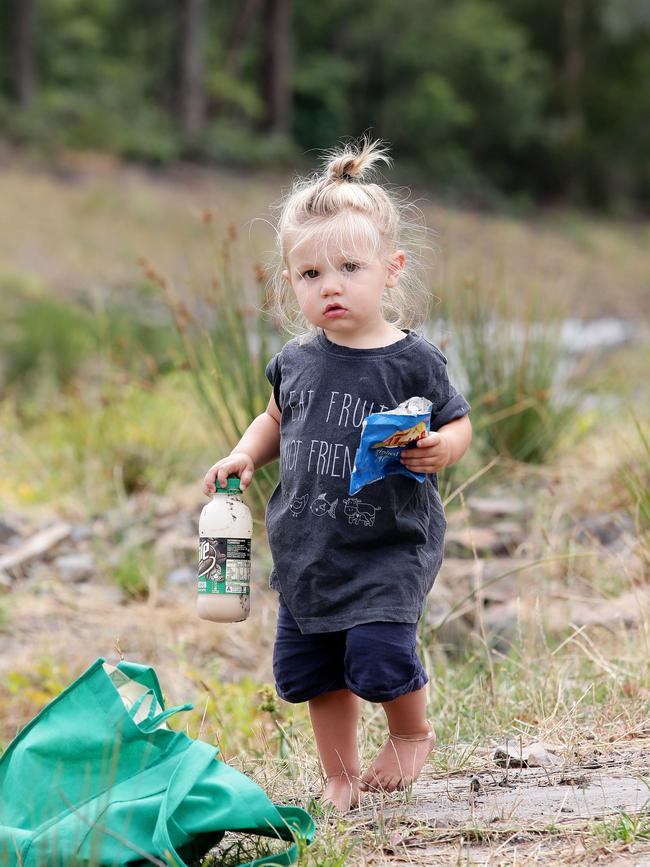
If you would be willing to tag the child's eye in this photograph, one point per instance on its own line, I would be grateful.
(350, 267)
(310, 274)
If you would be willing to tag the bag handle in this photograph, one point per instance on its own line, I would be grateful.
(143, 674)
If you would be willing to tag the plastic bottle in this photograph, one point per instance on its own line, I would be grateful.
(225, 530)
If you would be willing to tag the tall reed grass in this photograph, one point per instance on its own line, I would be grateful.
(227, 340)
(514, 362)
(635, 476)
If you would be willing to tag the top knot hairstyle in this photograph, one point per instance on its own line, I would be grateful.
(343, 203)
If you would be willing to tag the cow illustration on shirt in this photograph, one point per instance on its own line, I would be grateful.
(360, 513)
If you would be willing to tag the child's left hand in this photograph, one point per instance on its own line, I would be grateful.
(431, 454)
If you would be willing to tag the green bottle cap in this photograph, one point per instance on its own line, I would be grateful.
(232, 486)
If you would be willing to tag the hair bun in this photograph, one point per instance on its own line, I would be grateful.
(356, 160)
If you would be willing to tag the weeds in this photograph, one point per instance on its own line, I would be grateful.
(96, 449)
(513, 362)
(635, 477)
(227, 341)
(135, 574)
(626, 828)
(66, 345)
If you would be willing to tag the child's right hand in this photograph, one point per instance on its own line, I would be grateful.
(238, 464)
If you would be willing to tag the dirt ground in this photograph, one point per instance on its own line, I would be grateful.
(484, 814)
(523, 815)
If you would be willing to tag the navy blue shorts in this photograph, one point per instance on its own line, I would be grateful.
(376, 661)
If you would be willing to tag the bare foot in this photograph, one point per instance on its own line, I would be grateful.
(399, 763)
(342, 792)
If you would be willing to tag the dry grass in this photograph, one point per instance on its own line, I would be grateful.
(83, 231)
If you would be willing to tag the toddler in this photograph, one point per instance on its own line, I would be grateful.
(352, 573)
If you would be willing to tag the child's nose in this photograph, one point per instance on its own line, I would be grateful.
(330, 285)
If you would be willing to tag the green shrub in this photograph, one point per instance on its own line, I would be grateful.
(513, 358)
(135, 573)
(47, 340)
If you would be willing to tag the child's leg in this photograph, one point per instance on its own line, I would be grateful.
(382, 666)
(310, 668)
(334, 718)
(411, 738)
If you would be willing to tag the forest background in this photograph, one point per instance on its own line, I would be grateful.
(485, 99)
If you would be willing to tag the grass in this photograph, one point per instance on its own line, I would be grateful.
(626, 828)
(635, 475)
(91, 449)
(512, 356)
(226, 336)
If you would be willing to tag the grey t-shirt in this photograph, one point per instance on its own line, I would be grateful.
(339, 560)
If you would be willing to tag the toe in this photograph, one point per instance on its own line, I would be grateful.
(368, 780)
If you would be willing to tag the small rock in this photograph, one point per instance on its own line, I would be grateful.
(138, 535)
(100, 593)
(7, 531)
(173, 541)
(462, 542)
(80, 532)
(500, 586)
(74, 567)
(625, 610)
(181, 577)
(488, 508)
(605, 528)
(510, 533)
(537, 755)
(165, 506)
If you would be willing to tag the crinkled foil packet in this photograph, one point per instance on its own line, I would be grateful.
(383, 436)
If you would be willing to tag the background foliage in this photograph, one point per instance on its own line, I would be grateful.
(484, 98)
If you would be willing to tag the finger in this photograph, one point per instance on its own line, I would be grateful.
(223, 474)
(430, 440)
(424, 464)
(430, 455)
(246, 478)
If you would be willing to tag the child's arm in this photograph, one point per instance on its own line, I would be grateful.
(439, 449)
(259, 445)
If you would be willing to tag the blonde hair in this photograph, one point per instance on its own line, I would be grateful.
(340, 204)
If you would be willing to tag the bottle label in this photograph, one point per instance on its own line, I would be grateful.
(224, 566)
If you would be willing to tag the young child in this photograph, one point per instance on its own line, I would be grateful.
(352, 573)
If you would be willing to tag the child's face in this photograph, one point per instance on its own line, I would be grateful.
(340, 290)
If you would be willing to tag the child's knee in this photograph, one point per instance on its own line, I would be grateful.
(381, 662)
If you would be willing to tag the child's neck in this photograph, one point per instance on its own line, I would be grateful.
(371, 339)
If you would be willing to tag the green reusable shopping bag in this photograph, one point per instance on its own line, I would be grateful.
(97, 778)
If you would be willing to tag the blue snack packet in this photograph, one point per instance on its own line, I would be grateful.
(383, 436)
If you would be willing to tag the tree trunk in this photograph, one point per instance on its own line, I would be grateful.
(192, 108)
(276, 68)
(247, 12)
(573, 72)
(23, 29)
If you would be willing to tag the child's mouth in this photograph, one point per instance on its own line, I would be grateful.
(334, 312)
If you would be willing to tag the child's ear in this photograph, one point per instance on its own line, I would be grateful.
(285, 275)
(395, 265)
